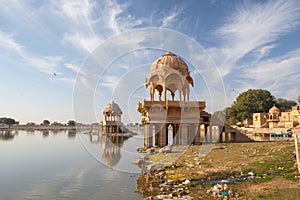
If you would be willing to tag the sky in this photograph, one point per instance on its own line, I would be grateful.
(67, 59)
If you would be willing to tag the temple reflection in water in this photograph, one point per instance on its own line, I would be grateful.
(111, 147)
(7, 134)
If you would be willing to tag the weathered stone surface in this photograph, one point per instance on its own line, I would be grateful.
(155, 167)
(166, 149)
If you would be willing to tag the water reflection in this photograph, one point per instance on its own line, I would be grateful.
(72, 133)
(45, 133)
(55, 132)
(57, 167)
(7, 135)
(30, 132)
(111, 147)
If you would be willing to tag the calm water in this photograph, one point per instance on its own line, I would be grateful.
(49, 165)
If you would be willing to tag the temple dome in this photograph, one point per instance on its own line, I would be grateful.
(113, 108)
(169, 73)
(170, 60)
(274, 110)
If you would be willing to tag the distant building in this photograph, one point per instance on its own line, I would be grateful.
(260, 120)
(112, 119)
(277, 119)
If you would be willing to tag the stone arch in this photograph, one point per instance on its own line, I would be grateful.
(173, 82)
(159, 89)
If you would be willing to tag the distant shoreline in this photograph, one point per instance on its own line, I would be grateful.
(42, 127)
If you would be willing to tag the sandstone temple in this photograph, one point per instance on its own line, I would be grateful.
(169, 109)
(112, 120)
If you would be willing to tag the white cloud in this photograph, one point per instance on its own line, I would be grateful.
(76, 10)
(90, 22)
(72, 67)
(46, 64)
(279, 75)
(7, 42)
(170, 18)
(252, 28)
(68, 81)
(110, 81)
(87, 43)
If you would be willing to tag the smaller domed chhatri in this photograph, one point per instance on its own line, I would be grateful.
(113, 110)
(112, 119)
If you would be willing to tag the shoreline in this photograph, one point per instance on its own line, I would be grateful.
(41, 127)
(247, 170)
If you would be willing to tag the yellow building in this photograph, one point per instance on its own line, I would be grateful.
(260, 120)
(277, 119)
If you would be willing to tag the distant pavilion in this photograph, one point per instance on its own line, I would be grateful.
(112, 119)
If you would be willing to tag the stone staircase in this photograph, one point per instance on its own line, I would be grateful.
(241, 134)
(246, 133)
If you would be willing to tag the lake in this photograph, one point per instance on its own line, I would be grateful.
(63, 165)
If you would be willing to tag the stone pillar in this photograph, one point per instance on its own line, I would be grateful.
(184, 134)
(202, 133)
(148, 136)
(215, 134)
(223, 137)
(162, 136)
(197, 139)
(180, 95)
(208, 137)
(165, 93)
(176, 134)
(227, 137)
(156, 129)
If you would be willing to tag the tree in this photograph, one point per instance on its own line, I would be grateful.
(7, 121)
(252, 101)
(144, 117)
(46, 122)
(299, 99)
(230, 116)
(30, 124)
(284, 105)
(71, 123)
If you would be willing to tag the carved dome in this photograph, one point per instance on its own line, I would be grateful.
(169, 73)
(170, 60)
(112, 108)
(274, 110)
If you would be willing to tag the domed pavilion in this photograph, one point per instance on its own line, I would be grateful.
(112, 119)
(169, 73)
(169, 110)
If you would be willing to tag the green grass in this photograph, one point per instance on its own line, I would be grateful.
(272, 161)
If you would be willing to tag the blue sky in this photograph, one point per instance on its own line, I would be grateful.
(44, 44)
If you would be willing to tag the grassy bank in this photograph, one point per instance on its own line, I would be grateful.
(271, 164)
